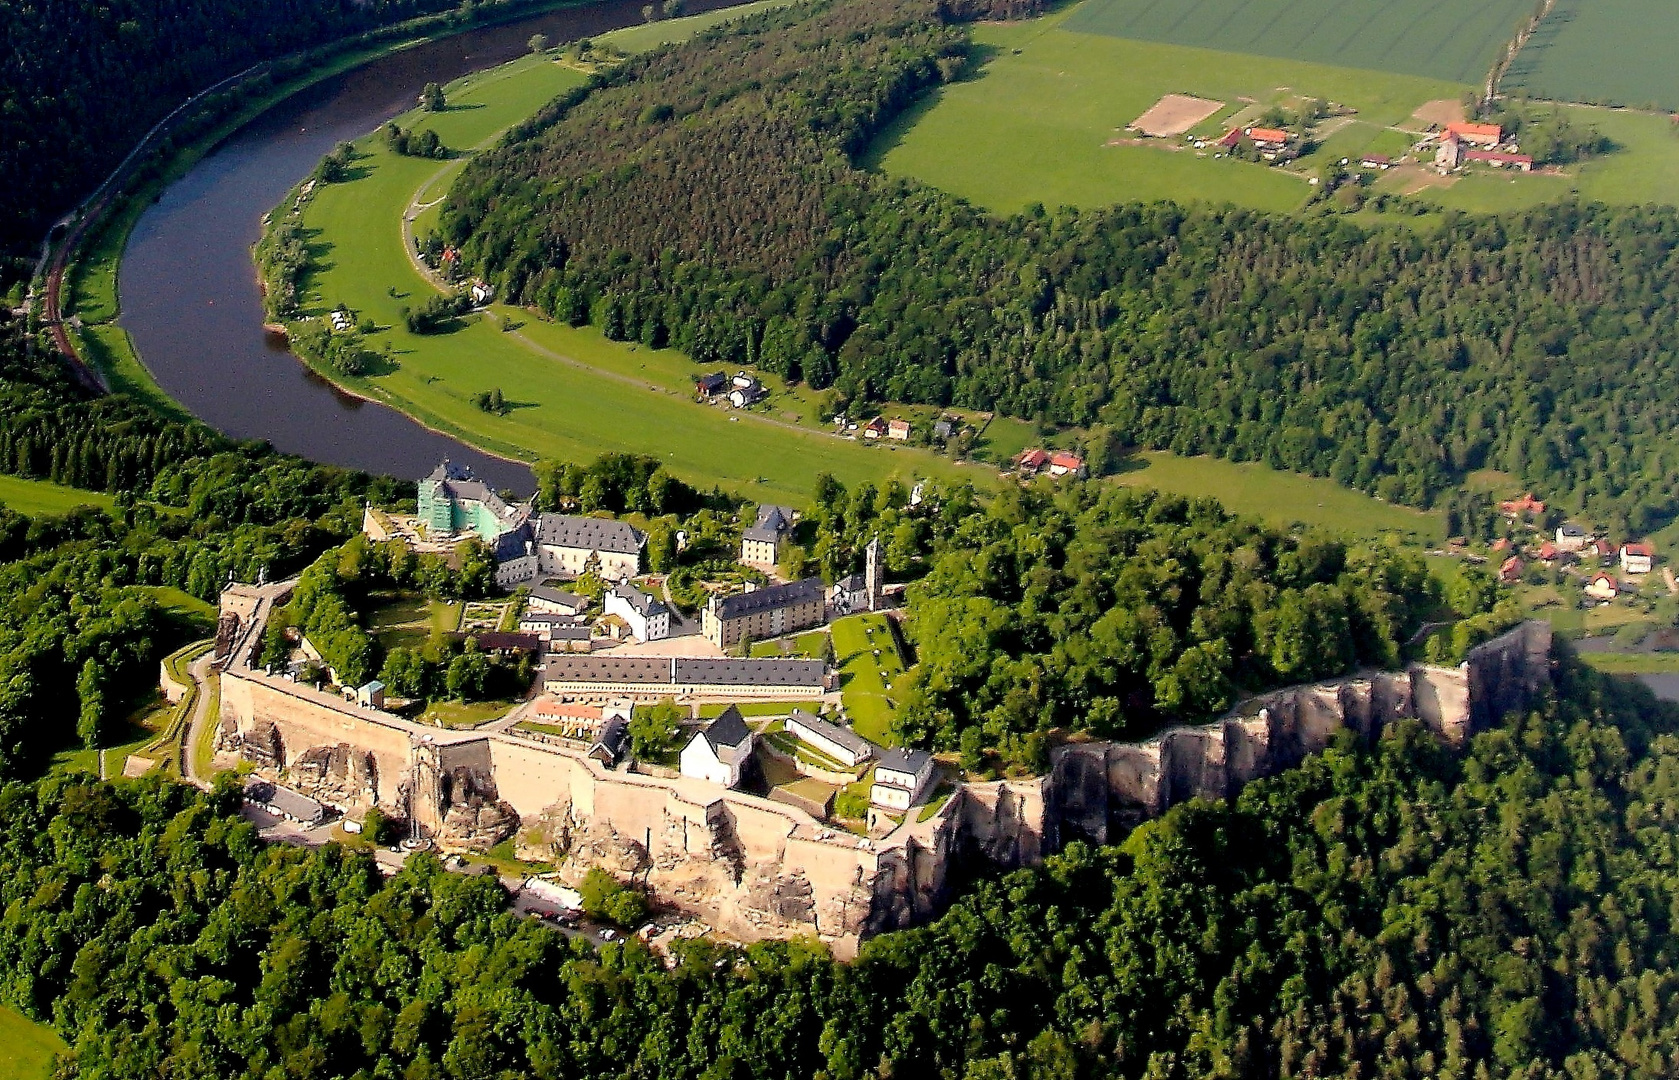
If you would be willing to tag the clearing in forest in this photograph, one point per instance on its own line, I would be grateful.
(1457, 42)
(1175, 114)
(1609, 52)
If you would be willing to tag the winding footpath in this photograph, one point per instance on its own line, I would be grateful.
(202, 671)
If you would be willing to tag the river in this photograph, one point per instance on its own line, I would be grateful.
(188, 288)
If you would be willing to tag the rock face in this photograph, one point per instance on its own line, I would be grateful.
(756, 868)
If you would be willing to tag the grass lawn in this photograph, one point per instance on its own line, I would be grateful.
(188, 609)
(39, 498)
(712, 710)
(204, 751)
(410, 620)
(461, 714)
(808, 644)
(1653, 663)
(1281, 498)
(133, 735)
(864, 677)
(26, 1048)
(1416, 37)
(636, 39)
(1034, 124)
(1611, 51)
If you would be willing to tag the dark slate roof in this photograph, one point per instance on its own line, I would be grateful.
(512, 544)
(499, 639)
(841, 736)
(568, 632)
(852, 584)
(728, 730)
(712, 383)
(572, 667)
(449, 470)
(284, 799)
(909, 761)
(772, 521)
(764, 672)
(639, 601)
(942, 429)
(776, 596)
(591, 533)
(613, 735)
(558, 596)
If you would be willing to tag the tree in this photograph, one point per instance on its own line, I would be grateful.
(432, 99)
(648, 13)
(609, 900)
(90, 690)
(655, 730)
(538, 43)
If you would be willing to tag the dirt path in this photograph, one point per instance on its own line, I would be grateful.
(201, 672)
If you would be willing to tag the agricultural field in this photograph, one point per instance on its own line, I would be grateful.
(26, 1048)
(1610, 52)
(1279, 498)
(1454, 42)
(39, 498)
(1043, 121)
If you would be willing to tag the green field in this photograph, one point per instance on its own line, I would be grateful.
(1283, 499)
(864, 677)
(38, 498)
(1613, 52)
(26, 1048)
(1457, 42)
(1035, 123)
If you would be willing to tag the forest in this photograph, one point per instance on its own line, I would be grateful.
(1390, 911)
(710, 196)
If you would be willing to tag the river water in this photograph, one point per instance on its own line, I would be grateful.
(188, 288)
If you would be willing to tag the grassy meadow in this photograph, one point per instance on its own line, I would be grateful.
(1457, 42)
(39, 498)
(26, 1048)
(1613, 52)
(1034, 123)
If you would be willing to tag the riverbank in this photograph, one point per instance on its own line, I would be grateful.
(90, 299)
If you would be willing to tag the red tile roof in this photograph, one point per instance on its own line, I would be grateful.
(1498, 157)
(1032, 459)
(1490, 134)
(1065, 460)
(1276, 135)
(1638, 549)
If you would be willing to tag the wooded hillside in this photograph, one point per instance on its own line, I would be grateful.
(708, 195)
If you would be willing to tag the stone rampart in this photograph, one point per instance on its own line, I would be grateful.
(756, 868)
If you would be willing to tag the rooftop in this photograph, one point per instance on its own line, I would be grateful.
(775, 596)
(728, 730)
(639, 602)
(899, 759)
(834, 733)
(592, 533)
(558, 596)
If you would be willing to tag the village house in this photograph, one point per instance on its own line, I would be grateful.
(1603, 586)
(1604, 550)
(1548, 552)
(546, 598)
(1479, 134)
(1637, 558)
(719, 753)
(900, 778)
(1571, 537)
(1527, 504)
(875, 429)
(897, 430)
(1061, 463)
(647, 617)
(1031, 462)
(761, 542)
(840, 743)
(764, 613)
(1511, 570)
(709, 386)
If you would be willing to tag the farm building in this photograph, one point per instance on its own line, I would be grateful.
(1375, 161)
(1603, 587)
(875, 429)
(709, 386)
(1511, 570)
(1479, 134)
(897, 430)
(1498, 159)
(746, 390)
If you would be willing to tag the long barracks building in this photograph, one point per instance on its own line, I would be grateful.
(655, 677)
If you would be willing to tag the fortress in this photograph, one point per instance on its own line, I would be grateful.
(756, 868)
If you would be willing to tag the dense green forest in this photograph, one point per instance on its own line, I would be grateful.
(82, 80)
(1396, 911)
(709, 195)
(76, 637)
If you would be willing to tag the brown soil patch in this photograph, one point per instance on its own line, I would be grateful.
(1439, 113)
(1175, 114)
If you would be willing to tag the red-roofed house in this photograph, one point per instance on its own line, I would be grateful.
(1501, 545)
(1527, 504)
(1511, 570)
(1062, 463)
(897, 429)
(1603, 587)
(875, 429)
(1031, 461)
(1479, 134)
(1231, 138)
(1548, 552)
(1637, 558)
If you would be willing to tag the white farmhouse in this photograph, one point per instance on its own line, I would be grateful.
(719, 753)
(647, 617)
(900, 778)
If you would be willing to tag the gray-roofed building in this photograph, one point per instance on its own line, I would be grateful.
(566, 544)
(764, 613)
(720, 752)
(709, 386)
(453, 500)
(653, 677)
(900, 778)
(943, 429)
(850, 594)
(840, 743)
(647, 617)
(609, 747)
(760, 542)
(558, 601)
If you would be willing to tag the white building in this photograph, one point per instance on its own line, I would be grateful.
(568, 544)
(745, 390)
(1637, 558)
(900, 778)
(840, 743)
(558, 601)
(719, 753)
(1570, 537)
(647, 617)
